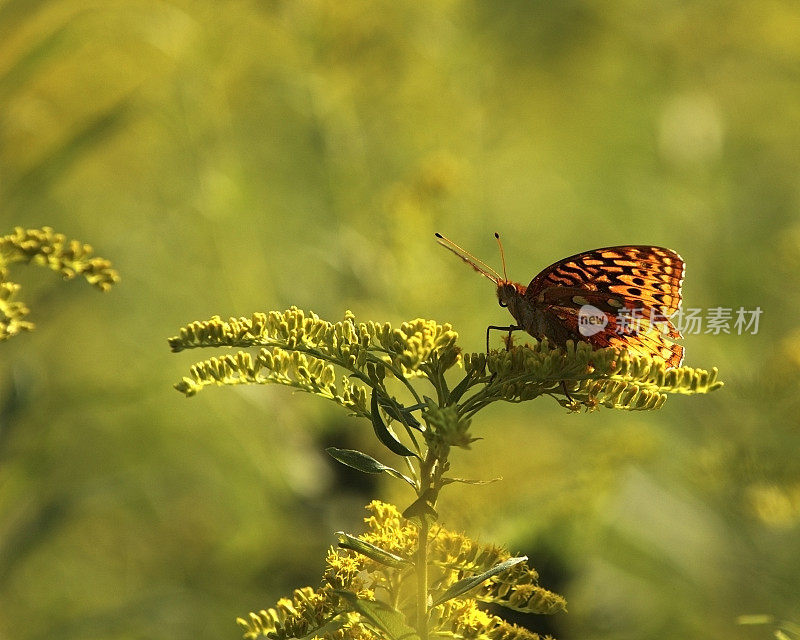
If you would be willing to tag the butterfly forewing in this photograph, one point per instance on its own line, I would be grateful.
(639, 276)
(617, 280)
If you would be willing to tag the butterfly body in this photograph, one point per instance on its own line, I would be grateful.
(638, 282)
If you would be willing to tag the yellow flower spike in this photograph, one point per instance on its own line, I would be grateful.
(46, 248)
(300, 350)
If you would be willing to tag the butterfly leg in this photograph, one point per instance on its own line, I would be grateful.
(566, 393)
(509, 328)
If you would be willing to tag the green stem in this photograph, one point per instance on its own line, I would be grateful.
(426, 482)
(422, 580)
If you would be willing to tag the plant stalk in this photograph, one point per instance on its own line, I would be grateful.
(426, 477)
(422, 580)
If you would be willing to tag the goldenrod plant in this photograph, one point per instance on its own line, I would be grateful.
(407, 577)
(47, 248)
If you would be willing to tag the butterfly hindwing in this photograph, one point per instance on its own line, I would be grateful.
(648, 340)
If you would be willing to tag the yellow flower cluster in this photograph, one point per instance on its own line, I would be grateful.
(452, 556)
(348, 344)
(302, 351)
(47, 248)
(609, 377)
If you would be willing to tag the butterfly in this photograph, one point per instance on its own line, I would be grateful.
(610, 297)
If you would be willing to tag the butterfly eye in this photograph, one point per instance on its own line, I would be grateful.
(501, 303)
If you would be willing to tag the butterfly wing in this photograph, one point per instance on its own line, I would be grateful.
(615, 279)
(649, 340)
(647, 277)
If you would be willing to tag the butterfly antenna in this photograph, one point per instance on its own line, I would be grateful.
(502, 255)
(479, 265)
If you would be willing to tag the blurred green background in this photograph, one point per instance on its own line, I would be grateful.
(232, 157)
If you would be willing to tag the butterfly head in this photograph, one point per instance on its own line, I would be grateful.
(509, 294)
(506, 293)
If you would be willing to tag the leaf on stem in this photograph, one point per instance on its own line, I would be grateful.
(446, 481)
(399, 412)
(467, 584)
(460, 389)
(387, 438)
(385, 618)
(419, 509)
(346, 541)
(364, 463)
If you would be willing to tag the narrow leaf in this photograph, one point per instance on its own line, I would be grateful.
(346, 541)
(421, 508)
(399, 412)
(459, 389)
(364, 463)
(385, 618)
(446, 481)
(386, 437)
(467, 584)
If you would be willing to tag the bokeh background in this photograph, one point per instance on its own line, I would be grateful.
(240, 156)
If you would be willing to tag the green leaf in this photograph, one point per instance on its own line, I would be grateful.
(467, 584)
(446, 481)
(421, 508)
(459, 389)
(385, 618)
(387, 438)
(399, 412)
(346, 541)
(364, 463)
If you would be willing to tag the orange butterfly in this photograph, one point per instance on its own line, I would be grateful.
(614, 296)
